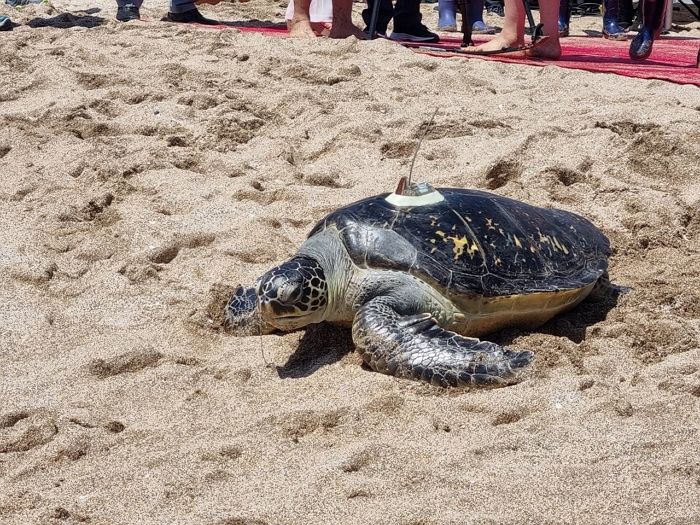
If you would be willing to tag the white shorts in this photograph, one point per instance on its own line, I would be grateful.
(320, 11)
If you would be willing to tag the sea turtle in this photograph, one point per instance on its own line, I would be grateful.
(420, 272)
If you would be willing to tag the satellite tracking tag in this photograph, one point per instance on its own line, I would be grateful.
(421, 194)
(408, 194)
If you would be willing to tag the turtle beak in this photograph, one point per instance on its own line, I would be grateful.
(242, 310)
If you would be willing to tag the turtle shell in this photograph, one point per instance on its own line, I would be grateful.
(474, 243)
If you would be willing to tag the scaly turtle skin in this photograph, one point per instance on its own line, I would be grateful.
(419, 277)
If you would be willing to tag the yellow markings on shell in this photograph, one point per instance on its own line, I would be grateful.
(559, 245)
(553, 242)
(517, 241)
(490, 224)
(460, 243)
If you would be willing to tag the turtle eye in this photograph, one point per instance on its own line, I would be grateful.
(290, 292)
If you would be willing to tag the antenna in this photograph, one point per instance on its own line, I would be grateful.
(420, 141)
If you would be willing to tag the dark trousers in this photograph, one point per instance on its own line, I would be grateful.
(406, 14)
(493, 3)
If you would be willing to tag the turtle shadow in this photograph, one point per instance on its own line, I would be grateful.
(321, 345)
(572, 324)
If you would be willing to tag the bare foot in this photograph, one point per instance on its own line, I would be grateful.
(546, 47)
(301, 29)
(495, 44)
(344, 31)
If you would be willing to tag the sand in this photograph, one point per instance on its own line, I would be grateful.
(146, 169)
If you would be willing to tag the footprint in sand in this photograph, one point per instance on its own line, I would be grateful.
(361, 459)
(167, 252)
(325, 180)
(502, 173)
(388, 404)
(451, 128)
(128, 362)
(296, 425)
(88, 212)
(626, 128)
(398, 149)
(490, 124)
(241, 521)
(24, 430)
(223, 454)
(265, 198)
(507, 417)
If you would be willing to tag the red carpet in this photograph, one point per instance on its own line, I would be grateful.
(673, 59)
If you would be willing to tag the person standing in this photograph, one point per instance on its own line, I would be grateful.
(617, 18)
(183, 11)
(513, 33)
(300, 25)
(408, 26)
(653, 16)
(447, 19)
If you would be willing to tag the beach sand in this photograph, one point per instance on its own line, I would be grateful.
(146, 169)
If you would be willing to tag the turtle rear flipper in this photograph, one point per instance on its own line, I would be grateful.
(606, 289)
(415, 346)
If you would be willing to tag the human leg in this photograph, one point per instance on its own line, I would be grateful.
(186, 12)
(128, 10)
(611, 13)
(408, 25)
(386, 11)
(476, 18)
(342, 21)
(626, 16)
(447, 15)
(564, 17)
(653, 13)
(549, 18)
(301, 21)
(513, 33)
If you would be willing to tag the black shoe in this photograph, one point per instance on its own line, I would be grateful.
(193, 16)
(377, 32)
(128, 12)
(417, 33)
(496, 10)
(5, 23)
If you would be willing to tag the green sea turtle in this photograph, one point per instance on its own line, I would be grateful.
(420, 272)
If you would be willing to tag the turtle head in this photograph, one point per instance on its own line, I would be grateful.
(291, 295)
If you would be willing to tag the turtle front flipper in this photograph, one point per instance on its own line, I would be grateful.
(415, 346)
(242, 313)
